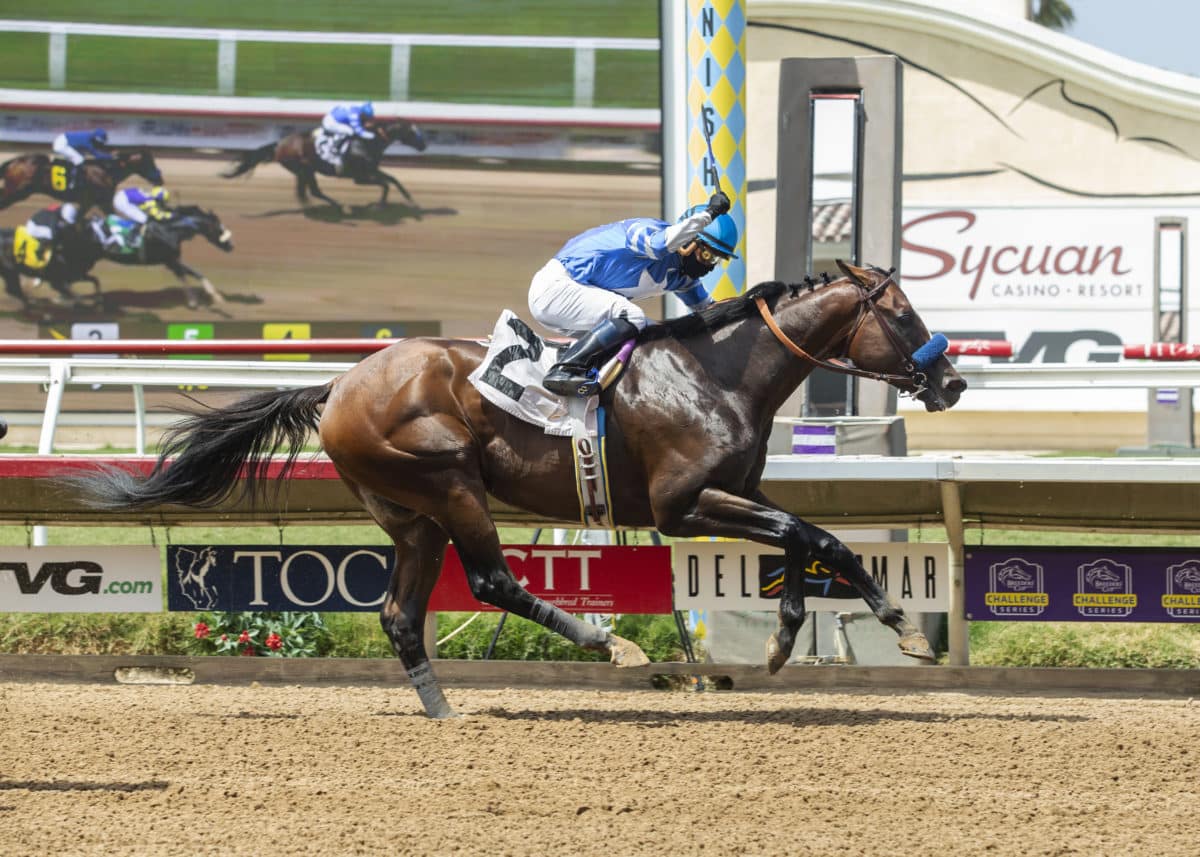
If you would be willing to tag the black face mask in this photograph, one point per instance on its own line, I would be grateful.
(693, 267)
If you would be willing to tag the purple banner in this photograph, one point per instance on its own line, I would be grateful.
(1083, 584)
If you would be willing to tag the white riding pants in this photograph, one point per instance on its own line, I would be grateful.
(338, 129)
(61, 147)
(562, 304)
(125, 208)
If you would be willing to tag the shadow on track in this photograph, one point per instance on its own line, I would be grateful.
(386, 215)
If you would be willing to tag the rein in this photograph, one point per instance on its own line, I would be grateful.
(868, 296)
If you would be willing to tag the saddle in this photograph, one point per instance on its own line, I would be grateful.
(62, 175)
(510, 376)
(329, 147)
(129, 233)
(29, 251)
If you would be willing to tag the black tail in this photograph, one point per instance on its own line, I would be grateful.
(247, 162)
(209, 449)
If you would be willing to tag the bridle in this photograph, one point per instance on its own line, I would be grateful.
(868, 299)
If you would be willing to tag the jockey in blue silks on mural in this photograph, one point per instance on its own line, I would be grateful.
(588, 289)
(346, 120)
(77, 146)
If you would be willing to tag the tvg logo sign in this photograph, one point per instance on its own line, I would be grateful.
(59, 574)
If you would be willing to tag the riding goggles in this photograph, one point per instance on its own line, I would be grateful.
(708, 255)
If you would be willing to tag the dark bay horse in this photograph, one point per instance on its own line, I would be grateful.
(298, 154)
(68, 264)
(95, 184)
(78, 250)
(688, 426)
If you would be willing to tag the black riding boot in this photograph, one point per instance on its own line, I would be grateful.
(572, 375)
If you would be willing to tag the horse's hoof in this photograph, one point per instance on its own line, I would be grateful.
(915, 645)
(624, 653)
(776, 656)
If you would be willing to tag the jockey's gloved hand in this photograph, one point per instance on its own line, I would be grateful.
(718, 204)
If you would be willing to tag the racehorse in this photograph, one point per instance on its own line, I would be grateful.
(72, 259)
(298, 154)
(95, 182)
(688, 424)
(161, 244)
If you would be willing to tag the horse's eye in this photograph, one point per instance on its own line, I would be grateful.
(906, 319)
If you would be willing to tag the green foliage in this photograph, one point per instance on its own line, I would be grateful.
(274, 635)
(1054, 14)
(95, 633)
(613, 18)
(1098, 644)
(336, 72)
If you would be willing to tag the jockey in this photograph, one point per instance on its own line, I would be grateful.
(346, 121)
(142, 205)
(135, 207)
(42, 231)
(590, 284)
(77, 146)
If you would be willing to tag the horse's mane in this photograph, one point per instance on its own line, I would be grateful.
(719, 314)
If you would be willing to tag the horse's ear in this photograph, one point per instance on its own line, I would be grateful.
(853, 272)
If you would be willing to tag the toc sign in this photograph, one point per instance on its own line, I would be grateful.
(334, 578)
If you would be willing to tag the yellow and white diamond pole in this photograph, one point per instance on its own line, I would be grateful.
(709, 99)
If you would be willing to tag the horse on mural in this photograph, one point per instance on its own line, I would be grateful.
(93, 184)
(688, 423)
(297, 153)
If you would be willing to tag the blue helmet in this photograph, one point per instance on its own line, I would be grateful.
(721, 235)
(367, 109)
(100, 134)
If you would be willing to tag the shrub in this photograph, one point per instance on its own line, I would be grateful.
(274, 635)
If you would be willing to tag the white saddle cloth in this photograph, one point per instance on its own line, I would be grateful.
(510, 377)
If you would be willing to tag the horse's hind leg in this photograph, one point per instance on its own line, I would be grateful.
(420, 546)
(316, 191)
(478, 544)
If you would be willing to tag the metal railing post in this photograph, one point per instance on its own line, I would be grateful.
(139, 419)
(57, 58)
(585, 76)
(227, 64)
(401, 61)
(60, 371)
(958, 630)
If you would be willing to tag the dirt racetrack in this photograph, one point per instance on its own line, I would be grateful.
(165, 770)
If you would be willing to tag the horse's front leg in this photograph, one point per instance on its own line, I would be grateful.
(395, 182)
(720, 513)
(833, 554)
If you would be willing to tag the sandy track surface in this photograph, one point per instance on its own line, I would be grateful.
(302, 770)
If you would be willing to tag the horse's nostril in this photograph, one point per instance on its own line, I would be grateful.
(956, 385)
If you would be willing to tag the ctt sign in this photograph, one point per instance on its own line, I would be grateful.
(335, 578)
(80, 580)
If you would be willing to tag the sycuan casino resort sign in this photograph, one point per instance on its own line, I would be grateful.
(1029, 258)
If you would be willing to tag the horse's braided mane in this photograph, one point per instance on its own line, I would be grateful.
(722, 313)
